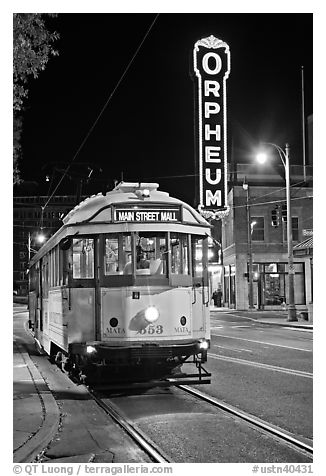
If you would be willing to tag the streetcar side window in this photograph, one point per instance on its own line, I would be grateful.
(179, 253)
(199, 255)
(83, 258)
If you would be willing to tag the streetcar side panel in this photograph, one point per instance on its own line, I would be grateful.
(80, 315)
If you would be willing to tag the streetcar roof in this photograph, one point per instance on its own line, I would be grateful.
(95, 214)
(97, 208)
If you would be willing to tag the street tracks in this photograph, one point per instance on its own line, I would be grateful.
(266, 427)
(149, 447)
(156, 454)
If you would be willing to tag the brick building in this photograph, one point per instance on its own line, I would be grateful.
(268, 248)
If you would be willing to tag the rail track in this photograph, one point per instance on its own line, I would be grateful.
(268, 429)
(149, 447)
(157, 455)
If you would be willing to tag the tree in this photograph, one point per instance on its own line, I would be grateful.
(31, 52)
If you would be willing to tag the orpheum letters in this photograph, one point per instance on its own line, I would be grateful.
(212, 68)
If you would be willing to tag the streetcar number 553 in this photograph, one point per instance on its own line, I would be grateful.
(151, 330)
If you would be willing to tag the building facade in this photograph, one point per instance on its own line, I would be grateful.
(255, 231)
(31, 219)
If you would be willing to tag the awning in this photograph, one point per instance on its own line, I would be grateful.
(304, 248)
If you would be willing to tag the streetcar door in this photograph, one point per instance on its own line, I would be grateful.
(200, 291)
(80, 320)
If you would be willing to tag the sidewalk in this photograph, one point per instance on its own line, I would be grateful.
(278, 318)
(36, 415)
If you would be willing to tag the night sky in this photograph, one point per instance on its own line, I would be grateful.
(146, 132)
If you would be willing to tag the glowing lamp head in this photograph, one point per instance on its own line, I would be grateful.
(151, 314)
(90, 349)
(203, 345)
(261, 157)
(143, 193)
(40, 238)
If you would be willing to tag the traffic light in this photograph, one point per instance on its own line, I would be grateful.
(284, 213)
(275, 217)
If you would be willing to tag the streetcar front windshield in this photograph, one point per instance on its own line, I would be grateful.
(151, 254)
(154, 253)
(117, 254)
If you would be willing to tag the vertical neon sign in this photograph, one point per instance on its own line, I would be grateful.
(211, 58)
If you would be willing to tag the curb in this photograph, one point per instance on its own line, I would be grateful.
(263, 321)
(51, 416)
(282, 324)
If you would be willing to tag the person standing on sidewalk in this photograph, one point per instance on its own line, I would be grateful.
(217, 297)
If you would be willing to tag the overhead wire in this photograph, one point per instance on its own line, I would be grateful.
(103, 108)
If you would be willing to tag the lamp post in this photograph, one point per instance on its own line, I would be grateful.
(285, 159)
(245, 186)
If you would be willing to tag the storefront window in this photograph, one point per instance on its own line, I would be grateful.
(227, 285)
(83, 258)
(274, 277)
(232, 286)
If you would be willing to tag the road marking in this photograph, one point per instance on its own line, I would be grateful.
(274, 368)
(241, 327)
(298, 329)
(231, 348)
(260, 342)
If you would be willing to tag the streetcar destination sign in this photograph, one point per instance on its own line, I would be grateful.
(211, 58)
(147, 215)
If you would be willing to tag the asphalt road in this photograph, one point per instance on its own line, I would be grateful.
(263, 369)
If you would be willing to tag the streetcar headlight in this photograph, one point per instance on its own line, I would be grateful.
(90, 349)
(151, 314)
(203, 345)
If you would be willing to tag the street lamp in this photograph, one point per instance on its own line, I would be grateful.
(250, 227)
(285, 159)
(40, 238)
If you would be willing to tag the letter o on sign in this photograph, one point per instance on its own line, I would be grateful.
(217, 62)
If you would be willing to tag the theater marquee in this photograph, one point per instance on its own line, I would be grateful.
(212, 67)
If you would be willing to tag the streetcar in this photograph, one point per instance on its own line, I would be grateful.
(120, 293)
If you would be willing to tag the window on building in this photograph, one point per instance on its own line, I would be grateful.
(295, 229)
(258, 228)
